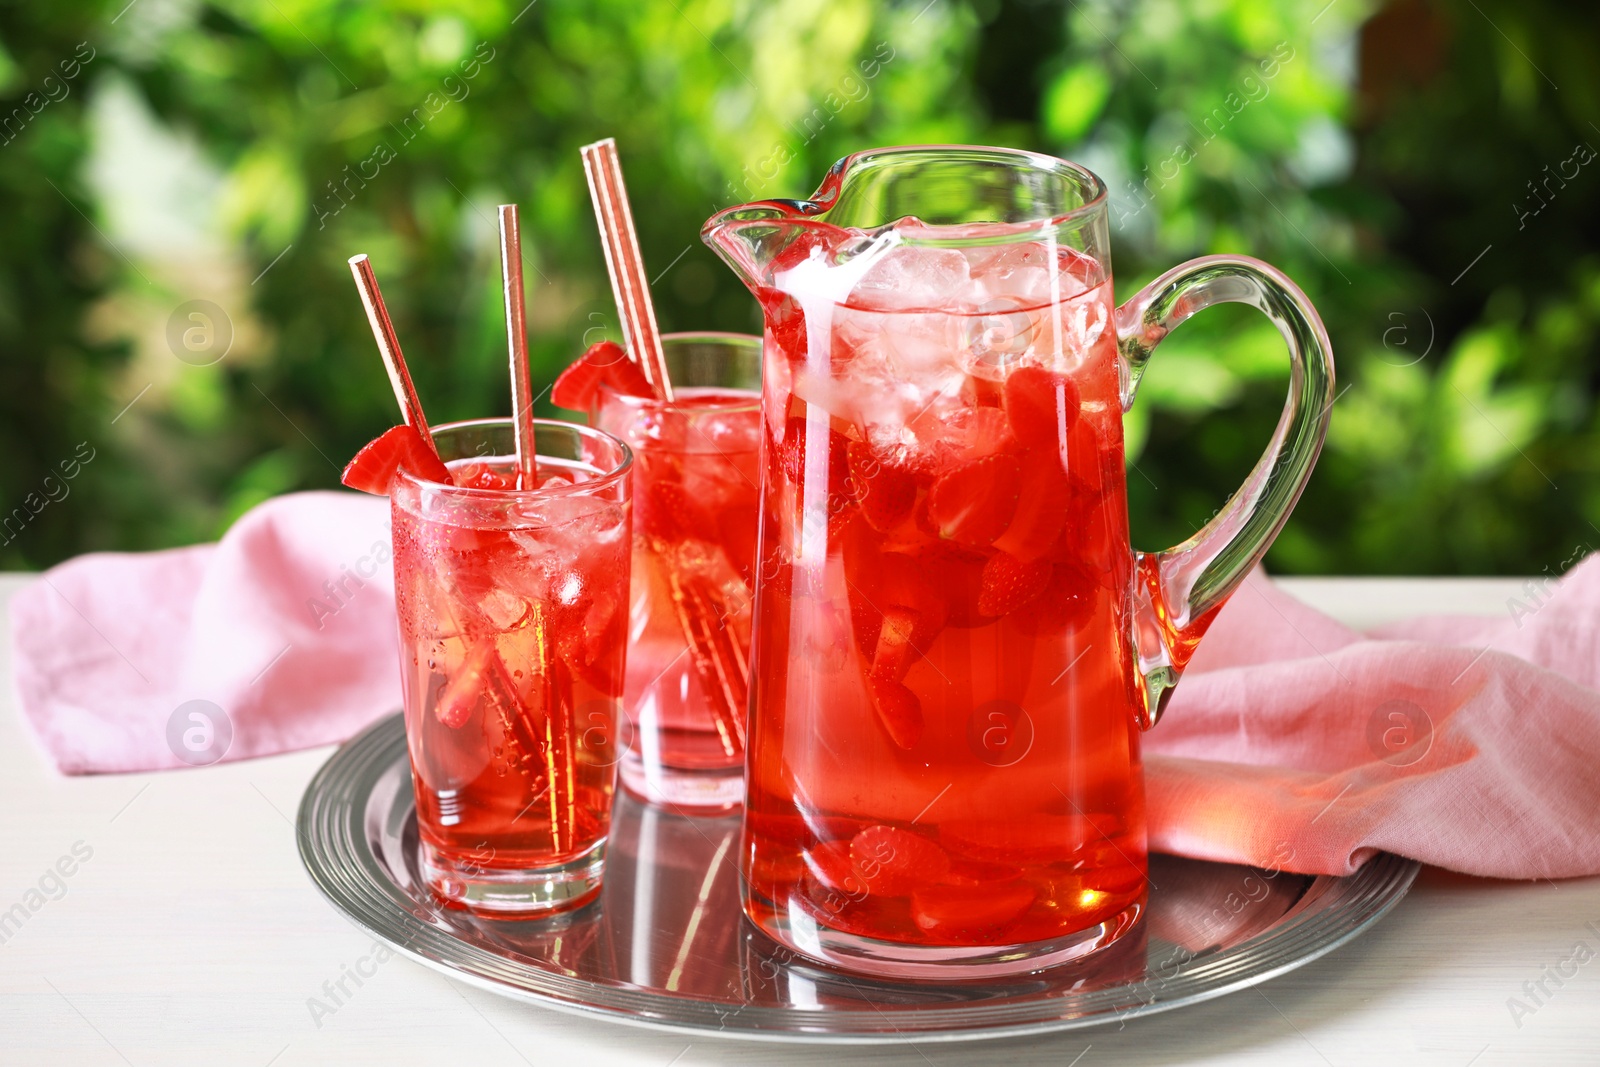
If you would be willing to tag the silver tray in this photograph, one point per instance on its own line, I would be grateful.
(666, 946)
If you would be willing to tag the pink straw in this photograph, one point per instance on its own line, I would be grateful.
(625, 264)
(405, 394)
(517, 343)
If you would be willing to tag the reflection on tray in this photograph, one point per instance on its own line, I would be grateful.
(669, 921)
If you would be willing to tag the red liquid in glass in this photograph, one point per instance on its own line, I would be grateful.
(512, 629)
(944, 746)
(696, 476)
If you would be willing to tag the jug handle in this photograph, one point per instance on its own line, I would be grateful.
(1178, 592)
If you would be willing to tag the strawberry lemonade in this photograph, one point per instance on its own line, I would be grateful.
(944, 758)
(513, 611)
(696, 498)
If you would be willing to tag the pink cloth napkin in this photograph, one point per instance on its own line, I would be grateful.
(1470, 743)
(1293, 742)
(280, 637)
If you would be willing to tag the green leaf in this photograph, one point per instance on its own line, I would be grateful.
(1074, 99)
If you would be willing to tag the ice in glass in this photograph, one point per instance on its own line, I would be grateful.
(513, 623)
(696, 477)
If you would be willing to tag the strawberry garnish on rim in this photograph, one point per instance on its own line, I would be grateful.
(399, 448)
(578, 387)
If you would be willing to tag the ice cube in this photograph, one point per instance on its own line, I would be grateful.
(503, 609)
(464, 688)
(909, 277)
(561, 524)
(568, 587)
(1074, 330)
(726, 432)
(1001, 335)
(1019, 273)
(902, 363)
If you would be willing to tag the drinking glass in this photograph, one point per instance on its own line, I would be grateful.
(513, 612)
(696, 496)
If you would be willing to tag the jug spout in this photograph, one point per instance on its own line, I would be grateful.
(758, 240)
(753, 238)
(947, 198)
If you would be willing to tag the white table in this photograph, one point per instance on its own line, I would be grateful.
(191, 935)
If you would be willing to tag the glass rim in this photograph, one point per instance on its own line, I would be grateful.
(600, 482)
(724, 336)
(814, 211)
(736, 340)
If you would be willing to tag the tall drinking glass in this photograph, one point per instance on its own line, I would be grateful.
(513, 609)
(696, 494)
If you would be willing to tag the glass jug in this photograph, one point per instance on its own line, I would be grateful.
(956, 647)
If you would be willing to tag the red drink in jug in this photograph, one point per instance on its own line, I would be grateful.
(942, 655)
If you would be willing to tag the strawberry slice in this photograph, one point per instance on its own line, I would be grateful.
(979, 872)
(897, 643)
(1044, 498)
(401, 447)
(1009, 583)
(913, 614)
(829, 863)
(1065, 603)
(974, 503)
(899, 710)
(1041, 405)
(578, 387)
(894, 862)
(963, 912)
(625, 377)
(956, 573)
(885, 492)
(1034, 839)
(670, 512)
(896, 612)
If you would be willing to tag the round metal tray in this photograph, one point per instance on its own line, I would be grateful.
(666, 945)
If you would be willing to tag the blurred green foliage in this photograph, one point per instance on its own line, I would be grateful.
(1410, 165)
